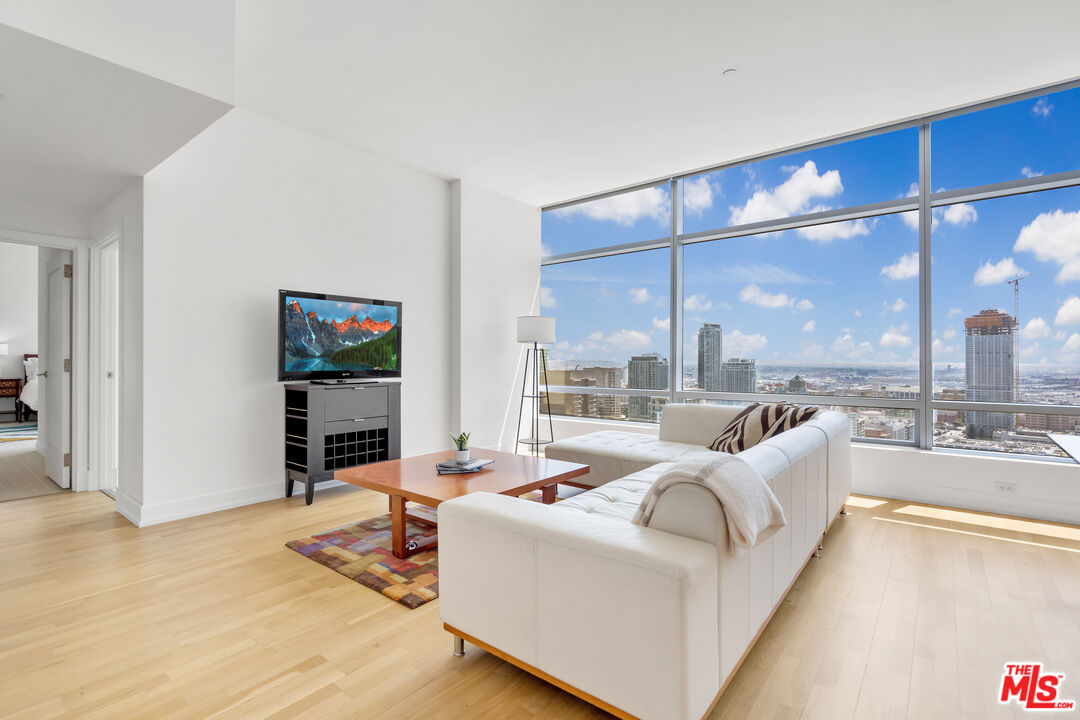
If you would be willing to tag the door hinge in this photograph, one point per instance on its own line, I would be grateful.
(67, 364)
(68, 271)
(67, 459)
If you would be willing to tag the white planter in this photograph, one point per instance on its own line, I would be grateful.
(461, 455)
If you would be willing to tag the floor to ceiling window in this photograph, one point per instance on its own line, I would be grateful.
(924, 279)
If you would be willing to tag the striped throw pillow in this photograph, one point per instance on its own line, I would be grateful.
(757, 422)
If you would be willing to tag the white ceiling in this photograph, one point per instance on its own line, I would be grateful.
(75, 130)
(546, 101)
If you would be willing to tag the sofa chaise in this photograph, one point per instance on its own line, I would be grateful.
(644, 622)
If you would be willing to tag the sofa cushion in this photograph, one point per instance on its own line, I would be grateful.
(617, 499)
(612, 454)
(758, 422)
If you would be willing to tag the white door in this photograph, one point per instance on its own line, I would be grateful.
(55, 380)
(109, 348)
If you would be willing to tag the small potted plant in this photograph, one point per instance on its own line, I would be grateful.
(461, 443)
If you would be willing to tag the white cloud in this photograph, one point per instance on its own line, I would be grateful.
(949, 334)
(640, 295)
(846, 345)
(810, 350)
(895, 307)
(547, 297)
(737, 343)
(940, 348)
(857, 313)
(905, 267)
(625, 209)
(1036, 328)
(1029, 173)
(809, 326)
(659, 324)
(1072, 344)
(754, 294)
(953, 312)
(961, 214)
(596, 336)
(698, 195)
(1069, 312)
(629, 340)
(991, 273)
(1042, 108)
(895, 337)
(1030, 352)
(835, 231)
(1054, 236)
(697, 303)
(791, 197)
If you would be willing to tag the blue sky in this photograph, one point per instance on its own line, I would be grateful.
(341, 311)
(844, 293)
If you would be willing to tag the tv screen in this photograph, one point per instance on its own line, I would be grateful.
(334, 336)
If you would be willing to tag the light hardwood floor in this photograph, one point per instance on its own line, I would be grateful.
(22, 472)
(911, 612)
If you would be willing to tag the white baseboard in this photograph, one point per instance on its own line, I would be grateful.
(129, 508)
(156, 513)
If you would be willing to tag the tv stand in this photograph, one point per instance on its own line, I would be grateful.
(339, 425)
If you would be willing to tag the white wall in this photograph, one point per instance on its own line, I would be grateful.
(248, 207)
(495, 266)
(18, 308)
(124, 216)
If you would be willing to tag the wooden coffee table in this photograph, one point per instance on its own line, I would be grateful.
(415, 479)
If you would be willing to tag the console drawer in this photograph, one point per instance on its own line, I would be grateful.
(355, 402)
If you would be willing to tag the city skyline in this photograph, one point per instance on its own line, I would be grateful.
(844, 293)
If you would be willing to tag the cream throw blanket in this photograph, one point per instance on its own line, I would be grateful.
(751, 510)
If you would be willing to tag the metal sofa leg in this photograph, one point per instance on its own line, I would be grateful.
(459, 647)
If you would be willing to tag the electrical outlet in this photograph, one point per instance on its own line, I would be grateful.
(1005, 487)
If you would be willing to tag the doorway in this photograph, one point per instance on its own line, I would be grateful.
(35, 314)
(105, 363)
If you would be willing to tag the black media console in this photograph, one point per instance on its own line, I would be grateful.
(330, 427)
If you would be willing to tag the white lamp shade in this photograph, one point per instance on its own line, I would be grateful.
(535, 329)
(3, 348)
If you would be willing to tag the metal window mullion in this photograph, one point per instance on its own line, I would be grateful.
(838, 400)
(889, 207)
(607, 251)
(1033, 408)
(1006, 189)
(675, 315)
(924, 422)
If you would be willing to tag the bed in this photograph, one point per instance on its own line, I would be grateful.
(29, 396)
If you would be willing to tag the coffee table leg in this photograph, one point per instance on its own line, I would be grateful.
(397, 527)
(549, 493)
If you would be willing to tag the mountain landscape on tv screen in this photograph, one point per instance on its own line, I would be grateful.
(324, 335)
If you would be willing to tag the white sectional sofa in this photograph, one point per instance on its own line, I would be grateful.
(645, 622)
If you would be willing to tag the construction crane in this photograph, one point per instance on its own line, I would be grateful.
(1015, 282)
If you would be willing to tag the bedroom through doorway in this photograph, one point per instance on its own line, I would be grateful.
(35, 377)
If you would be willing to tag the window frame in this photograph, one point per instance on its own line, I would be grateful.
(924, 203)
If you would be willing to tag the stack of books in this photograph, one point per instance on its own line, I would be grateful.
(453, 467)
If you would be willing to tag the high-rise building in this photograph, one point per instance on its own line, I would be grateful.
(710, 356)
(649, 371)
(989, 357)
(738, 375)
(796, 385)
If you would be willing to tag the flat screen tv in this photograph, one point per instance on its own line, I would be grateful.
(328, 337)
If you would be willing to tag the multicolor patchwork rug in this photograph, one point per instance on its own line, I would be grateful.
(18, 433)
(362, 553)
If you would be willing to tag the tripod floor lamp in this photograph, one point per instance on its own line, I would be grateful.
(537, 330)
